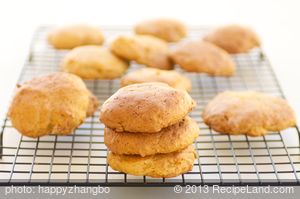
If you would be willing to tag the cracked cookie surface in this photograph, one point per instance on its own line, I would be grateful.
(248, 112)
(145, 107)
(52, 104)
(203, 57)
(169, 139)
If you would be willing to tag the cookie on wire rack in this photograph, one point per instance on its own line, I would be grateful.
(158, 166)
(145, 108)
(51, 104)
(170, 30)
(170, 77)
(71, 36)
(234, 38)
(143, 49)
(172, 138)
(203, 57)
(248, 112)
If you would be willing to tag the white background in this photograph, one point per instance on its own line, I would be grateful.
(277, 22)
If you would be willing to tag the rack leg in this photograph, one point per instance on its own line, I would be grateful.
(1, 144)
(1, 138)
(298, 136)
(262, 56)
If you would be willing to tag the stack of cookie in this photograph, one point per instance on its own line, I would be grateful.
(148, 131)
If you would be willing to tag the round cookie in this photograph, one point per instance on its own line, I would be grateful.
(158, 166)
(94, 62)
(172, 138)
(248, 112)
(146, 107)
(170, 77)
(144, 49)
(203, 57)
(71, 36)
(169, 30)
(234, 38)
(53, 104)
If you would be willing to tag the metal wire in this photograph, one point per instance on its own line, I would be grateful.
(80, 158)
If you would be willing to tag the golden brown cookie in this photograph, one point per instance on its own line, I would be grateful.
(94, 62)
(234, 38)
(53, 104)
(93, 104)
(146, 107)
(71, 36)
(248, 112)
(167, 29)
(144, 49)
(170, 77)
(172, 138)
(157, 166)
(203, 57)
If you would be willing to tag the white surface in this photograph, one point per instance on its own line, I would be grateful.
(276, 21)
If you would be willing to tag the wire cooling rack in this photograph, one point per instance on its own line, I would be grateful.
(80, 158)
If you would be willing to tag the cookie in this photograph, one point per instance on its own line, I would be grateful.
(248, 112)
(172, 138)
(234, 38)
(157, 166)
(93, 104)
(170, 77)
(94, 62)
(71, 36)
(203, 57)
(146, 107)
(144, 49)
(53, 104)
(169, 30)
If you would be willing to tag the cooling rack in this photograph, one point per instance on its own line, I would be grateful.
(80, 158)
